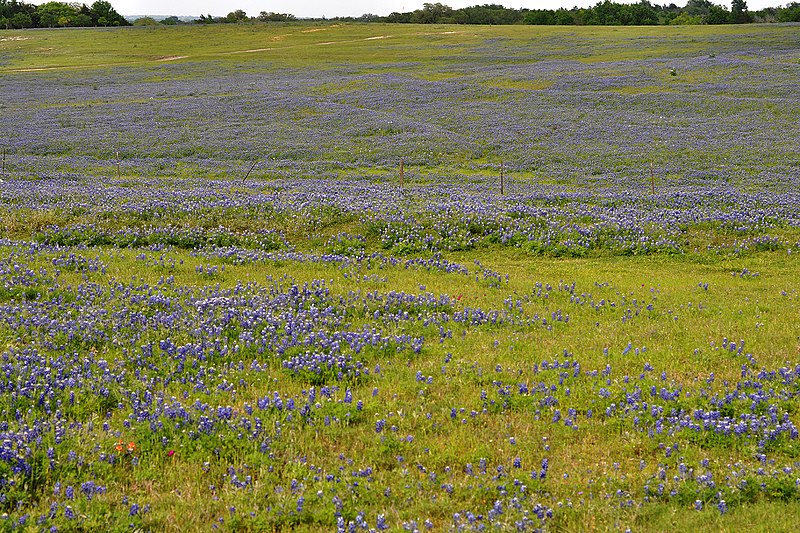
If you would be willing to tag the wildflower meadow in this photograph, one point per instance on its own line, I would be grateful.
(351, 277)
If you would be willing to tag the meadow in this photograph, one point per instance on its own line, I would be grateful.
(224, 306)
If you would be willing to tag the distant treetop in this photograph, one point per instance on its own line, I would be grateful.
(18, 15)
(604, 13)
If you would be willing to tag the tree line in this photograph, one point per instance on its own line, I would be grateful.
(604, 13)
(231, 18)
(17, 15)
(644, 13)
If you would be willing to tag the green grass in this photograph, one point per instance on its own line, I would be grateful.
(303, 44)
(678, 334)
(604, 470)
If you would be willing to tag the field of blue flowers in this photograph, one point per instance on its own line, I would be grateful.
(223, 305)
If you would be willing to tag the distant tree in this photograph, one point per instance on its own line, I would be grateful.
(697, 7)
(564, 17)
(487, 14)
(84, 16)
(685, 19)
(145, 21)
(541, 17)
(402, 18)
(718, 15)
(53, 14)
(768, 14)
(739, 12)
(642, 13)
(21, 20)
(82, 20)
(790, 13)
(605, 13)
(236, 16)
(104, 14)
(265, 16)
(171, 21)
(369, 17)
(433, 14)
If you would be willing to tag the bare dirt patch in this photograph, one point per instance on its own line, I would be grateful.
(252, 51)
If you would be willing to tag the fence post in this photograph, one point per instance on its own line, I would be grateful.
(249, 171)
(652, 179)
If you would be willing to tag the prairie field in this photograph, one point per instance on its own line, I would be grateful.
(366, 277)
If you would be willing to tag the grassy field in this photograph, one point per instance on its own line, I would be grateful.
(371, 45)
(221, 309)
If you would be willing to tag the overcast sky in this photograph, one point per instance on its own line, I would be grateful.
(355, 8)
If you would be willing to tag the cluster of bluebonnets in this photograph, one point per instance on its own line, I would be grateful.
(151, 368)
(430, 218)
(101, 355)
(724, 118)
(108, 376)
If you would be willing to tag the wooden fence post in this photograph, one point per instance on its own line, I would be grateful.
(249, 171)
(652, 179)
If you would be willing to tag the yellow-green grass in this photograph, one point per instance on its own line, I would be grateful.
(306, 44)
(682, 335)
(698, 299)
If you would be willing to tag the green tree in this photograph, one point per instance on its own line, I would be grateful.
(21, 20)
(82, 20)
(369, 17)
(739, 12)
(433, 14)
(685, 19)
(265, 16)
(541, 17)
(718, 15)
(103, 10)
(790, 13)
(145, 21)
(236, 16)
(605, 13)
(54, 14)
(697, 7)
(487, 14)
(402, 18)
(640, 14)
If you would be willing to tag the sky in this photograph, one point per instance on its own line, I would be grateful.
(354, 8)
